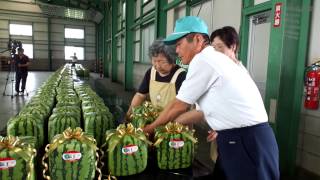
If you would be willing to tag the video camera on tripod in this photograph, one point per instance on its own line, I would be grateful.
(13, 45)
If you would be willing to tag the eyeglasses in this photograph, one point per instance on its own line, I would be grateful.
(160, 62)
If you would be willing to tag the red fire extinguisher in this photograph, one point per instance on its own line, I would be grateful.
(312, 83)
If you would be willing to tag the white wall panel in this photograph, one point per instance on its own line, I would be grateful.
(41, 47)
(4, 24)
(21, 17)
(90, 30)
(202, 11)
(57, 48)
(90, 56)
(226, 13)
(314, 44)
(4, 33)
(173, 15)
(90, 39)
(26, 7)
(40, 54)
(72, 22)
(40, 36)
(40, 27)
(57, 54)
(57, 37)
(57, 28)
(90, 49)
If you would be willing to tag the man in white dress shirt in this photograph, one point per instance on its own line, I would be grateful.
(230, 101)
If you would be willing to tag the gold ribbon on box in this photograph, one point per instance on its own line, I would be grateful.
(173, 128)
(21, 148)
(110, 177)
(121, 131)
(67, 135)
(117, 135)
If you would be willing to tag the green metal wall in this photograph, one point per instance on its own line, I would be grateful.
(286, 63)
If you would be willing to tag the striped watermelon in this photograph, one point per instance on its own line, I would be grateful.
(36, 110)
(72, 158)
(175, 146)
(144, 114)
(68, 109)
(175, 152)
(97, 123)
(43, 106)
(47, 100)
(127, 151)
(88, 109)
(16, 158)
(59, 122)
(26, 125)
(86, 103)
(68, 103)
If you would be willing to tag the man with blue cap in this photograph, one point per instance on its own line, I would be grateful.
(230, 101)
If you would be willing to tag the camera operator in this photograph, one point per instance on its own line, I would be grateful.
(21, 62)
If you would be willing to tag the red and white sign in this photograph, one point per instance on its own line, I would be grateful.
(176, 143)
(71, 156)
(277, 15)
(129, 149)
(6, 163)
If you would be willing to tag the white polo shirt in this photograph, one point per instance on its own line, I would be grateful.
(224, 91)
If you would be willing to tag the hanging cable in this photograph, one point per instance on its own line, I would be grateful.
(199, 9)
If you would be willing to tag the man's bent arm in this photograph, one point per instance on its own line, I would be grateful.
(170, 113)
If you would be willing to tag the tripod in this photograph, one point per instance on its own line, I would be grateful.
(10, 77)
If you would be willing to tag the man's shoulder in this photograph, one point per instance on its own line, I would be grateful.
(26, 57)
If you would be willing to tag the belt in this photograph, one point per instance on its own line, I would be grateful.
(243, 129)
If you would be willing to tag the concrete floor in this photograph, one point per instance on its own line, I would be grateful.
(11, 105)
(114, 96)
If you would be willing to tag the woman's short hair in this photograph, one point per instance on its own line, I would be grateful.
(158, 47)
(228, 36)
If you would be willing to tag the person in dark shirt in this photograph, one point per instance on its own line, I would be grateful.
(163, 80)
(21, 63)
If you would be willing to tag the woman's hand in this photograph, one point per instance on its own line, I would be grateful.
(148, 129)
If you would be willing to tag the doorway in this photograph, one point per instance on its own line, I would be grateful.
(258, 49)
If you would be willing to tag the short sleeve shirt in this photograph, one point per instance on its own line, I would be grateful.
(22, 60)
(144, 86)
(224, 91)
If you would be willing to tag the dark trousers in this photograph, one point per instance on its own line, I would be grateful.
(249, 153)
(19, 77)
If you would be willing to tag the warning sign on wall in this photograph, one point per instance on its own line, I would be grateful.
(277, 15)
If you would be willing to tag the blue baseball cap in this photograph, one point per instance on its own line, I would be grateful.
(187, 25)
